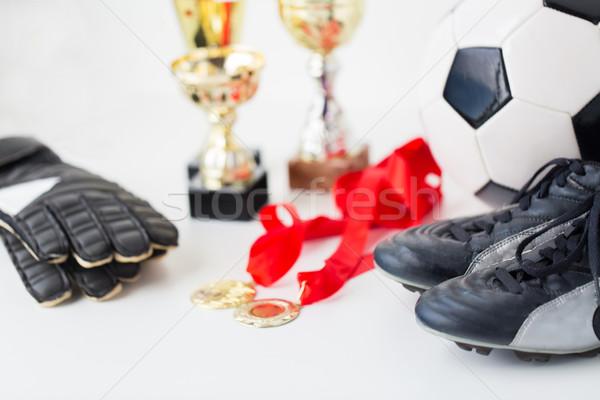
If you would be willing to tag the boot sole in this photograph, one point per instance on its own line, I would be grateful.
(526, 355)
(413, 287)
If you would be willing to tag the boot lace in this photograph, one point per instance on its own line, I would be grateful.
(567, 250)
(561, 168)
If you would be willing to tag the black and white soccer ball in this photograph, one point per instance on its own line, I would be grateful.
(509, 85)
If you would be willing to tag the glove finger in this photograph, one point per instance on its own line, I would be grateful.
(47, 283)
(44, 234)
(162, 233)
(39, 232)
(131, 272)
(90, 243)
(126, 272)
(129, 239)
(98, 283)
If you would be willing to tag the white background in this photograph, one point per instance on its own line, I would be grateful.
(91, 78)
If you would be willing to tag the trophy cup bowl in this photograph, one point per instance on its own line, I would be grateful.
(226, 181)
(210, 22)
(321, 26)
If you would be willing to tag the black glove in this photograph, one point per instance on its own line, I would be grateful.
(62, 222)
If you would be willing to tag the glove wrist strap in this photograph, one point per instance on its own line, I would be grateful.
(13, 149)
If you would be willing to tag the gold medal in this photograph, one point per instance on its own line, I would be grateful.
(266, 313)
(223, 294)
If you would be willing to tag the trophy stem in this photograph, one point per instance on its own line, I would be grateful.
(324, 135)
(221, 120)
(224, 161)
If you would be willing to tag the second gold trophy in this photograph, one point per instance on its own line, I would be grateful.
(227, 181)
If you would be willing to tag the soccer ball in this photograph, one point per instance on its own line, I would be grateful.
(509, 85)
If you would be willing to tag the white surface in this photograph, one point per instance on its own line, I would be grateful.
(549, 45)
(508, 137)
(97, 88)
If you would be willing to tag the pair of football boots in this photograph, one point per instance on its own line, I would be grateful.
(524, 277)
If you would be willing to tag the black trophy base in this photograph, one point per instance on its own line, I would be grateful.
(228, 203)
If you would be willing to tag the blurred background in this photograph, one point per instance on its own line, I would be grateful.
(92, 79)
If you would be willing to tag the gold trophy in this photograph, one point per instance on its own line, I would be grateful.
(321, 26)
(210, 23)
(226, 181)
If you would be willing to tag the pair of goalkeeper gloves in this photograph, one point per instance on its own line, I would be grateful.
(65, 228)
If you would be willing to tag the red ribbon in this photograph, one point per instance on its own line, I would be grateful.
(396, 193)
